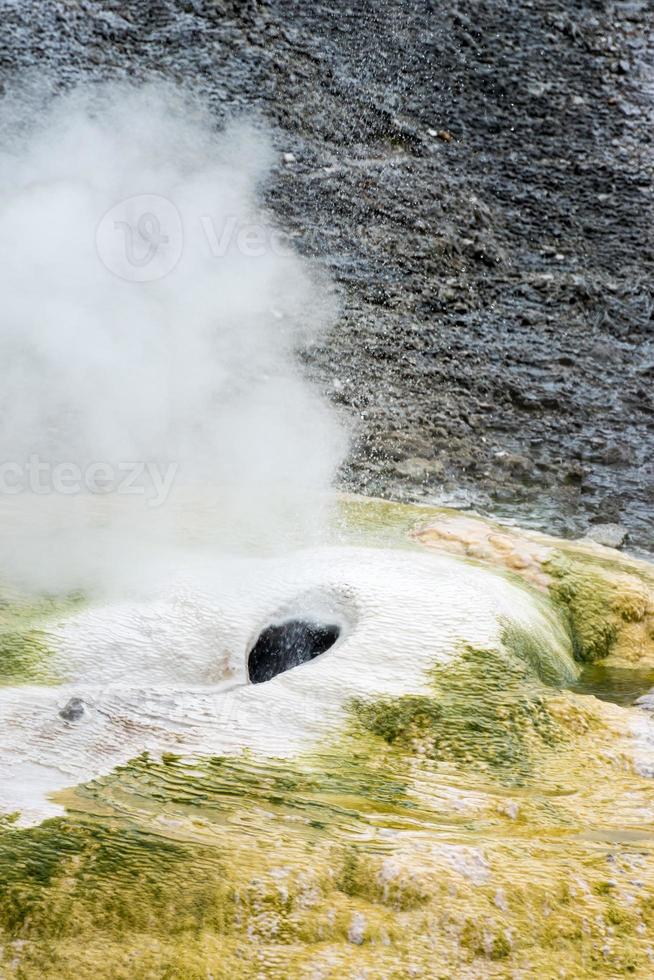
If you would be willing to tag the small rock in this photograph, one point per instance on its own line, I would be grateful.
(288, 157)
(574, 474)
(514, 461)
(612, 454)
(610, 535)
(73, 710)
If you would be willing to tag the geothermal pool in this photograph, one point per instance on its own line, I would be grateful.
(249, 728)
(435, 782)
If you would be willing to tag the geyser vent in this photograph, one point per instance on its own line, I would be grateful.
(286, 645)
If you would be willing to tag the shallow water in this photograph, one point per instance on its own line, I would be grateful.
(620, 685)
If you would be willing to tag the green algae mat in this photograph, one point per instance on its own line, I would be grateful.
(460, 787)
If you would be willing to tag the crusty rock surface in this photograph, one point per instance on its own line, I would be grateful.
(476, 177)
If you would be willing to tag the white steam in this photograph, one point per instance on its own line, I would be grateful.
(148, 326)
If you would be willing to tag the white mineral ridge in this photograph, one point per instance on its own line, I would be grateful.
(169, 672)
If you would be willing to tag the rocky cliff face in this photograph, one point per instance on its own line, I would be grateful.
(476, 177)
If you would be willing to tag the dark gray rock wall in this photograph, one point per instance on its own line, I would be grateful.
(476, 177)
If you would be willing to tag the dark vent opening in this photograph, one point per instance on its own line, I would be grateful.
(288, 645)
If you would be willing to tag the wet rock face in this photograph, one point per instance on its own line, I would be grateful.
(287, 645)
(476, 178)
